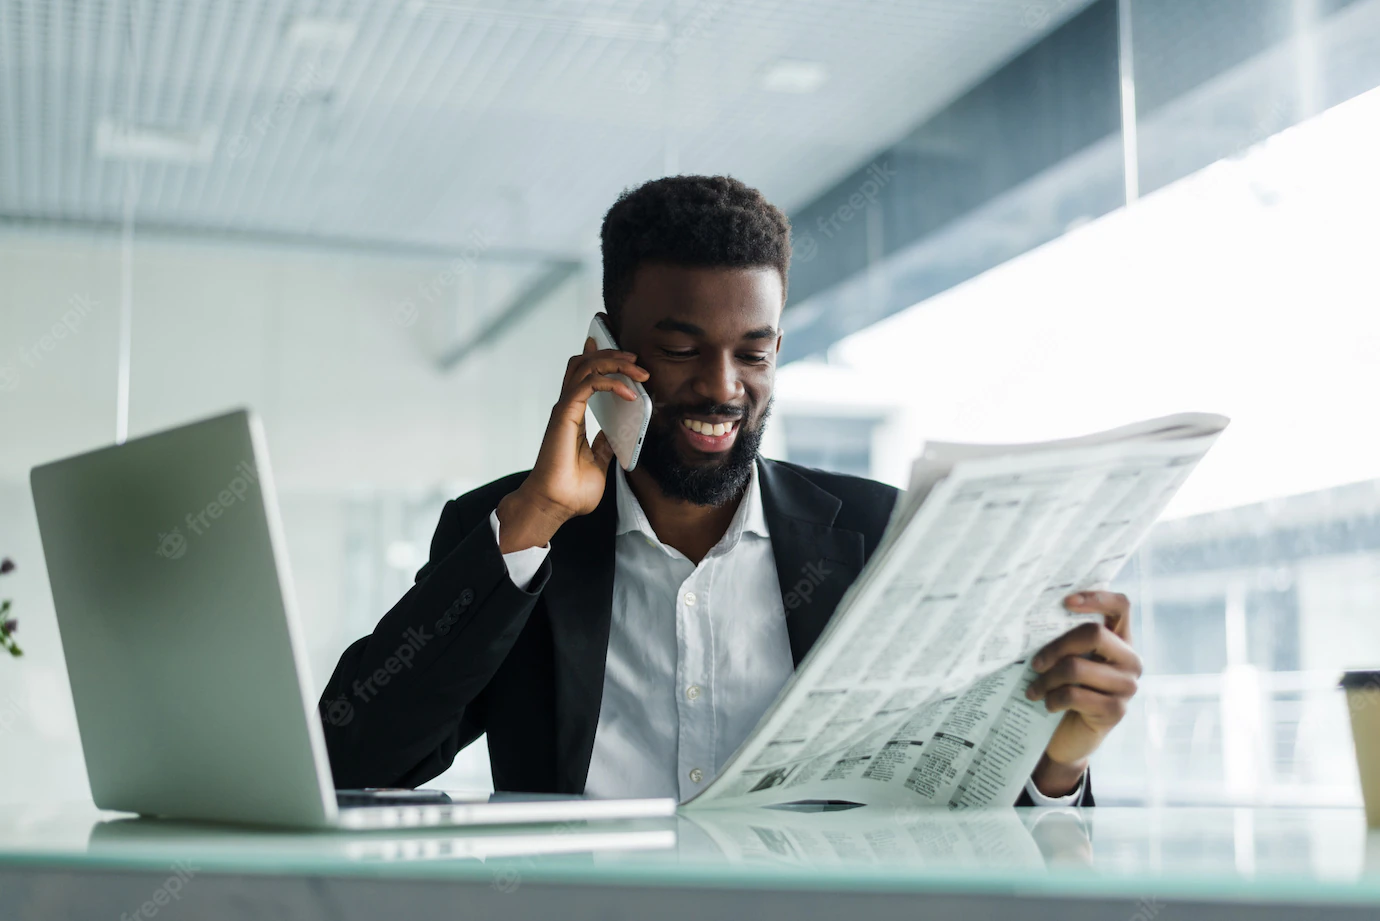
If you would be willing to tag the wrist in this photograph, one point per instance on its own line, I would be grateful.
(525, 520)
(1054, 778)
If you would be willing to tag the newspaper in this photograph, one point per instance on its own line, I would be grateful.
(915, 692)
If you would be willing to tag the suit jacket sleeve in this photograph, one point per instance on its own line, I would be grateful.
(1085, 800)
(403, 700)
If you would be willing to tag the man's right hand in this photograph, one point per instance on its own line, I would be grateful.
(568, 478)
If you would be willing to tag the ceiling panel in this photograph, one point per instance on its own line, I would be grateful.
(426, 122)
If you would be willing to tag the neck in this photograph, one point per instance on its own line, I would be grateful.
(691, 529)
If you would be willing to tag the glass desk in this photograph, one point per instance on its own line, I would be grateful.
(1107, 863)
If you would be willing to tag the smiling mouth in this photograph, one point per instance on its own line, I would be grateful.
(710, 437)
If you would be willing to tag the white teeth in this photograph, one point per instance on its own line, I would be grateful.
(705, 428)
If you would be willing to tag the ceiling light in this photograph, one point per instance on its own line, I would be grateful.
(319, 34)
(598, 27)
(116, 140)
(794, 76)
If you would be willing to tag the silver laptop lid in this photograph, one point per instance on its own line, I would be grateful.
(175, 607)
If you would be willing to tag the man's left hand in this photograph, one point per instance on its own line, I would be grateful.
(1090, 674)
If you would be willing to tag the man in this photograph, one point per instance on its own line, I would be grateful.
(619, 634)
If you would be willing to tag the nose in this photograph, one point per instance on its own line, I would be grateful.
(716, 379)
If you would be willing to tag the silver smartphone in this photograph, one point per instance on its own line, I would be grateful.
(624, 421)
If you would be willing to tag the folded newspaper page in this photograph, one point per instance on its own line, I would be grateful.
(915, 692)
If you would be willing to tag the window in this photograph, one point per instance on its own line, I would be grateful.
(830, 443)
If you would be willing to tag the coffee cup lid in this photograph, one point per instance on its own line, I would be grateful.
(1361, 678)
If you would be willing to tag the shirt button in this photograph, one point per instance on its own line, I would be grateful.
(690, 599)
(692, 692)
(696, 775)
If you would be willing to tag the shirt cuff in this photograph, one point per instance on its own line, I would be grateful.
(522, 565)
(1039, 799)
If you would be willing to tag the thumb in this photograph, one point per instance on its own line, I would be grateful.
(603, 451)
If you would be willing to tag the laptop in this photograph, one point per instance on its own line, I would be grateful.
(175, 605)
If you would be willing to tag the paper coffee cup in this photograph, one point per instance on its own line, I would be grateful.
(1363, 701)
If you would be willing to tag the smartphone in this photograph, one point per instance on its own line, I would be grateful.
(624, 422)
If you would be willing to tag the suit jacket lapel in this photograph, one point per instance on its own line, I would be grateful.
(579, 602)
(815, 561)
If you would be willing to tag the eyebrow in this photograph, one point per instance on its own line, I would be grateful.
(690, 329)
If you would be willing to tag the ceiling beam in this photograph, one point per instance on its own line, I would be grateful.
(521, 304)
(173, 233)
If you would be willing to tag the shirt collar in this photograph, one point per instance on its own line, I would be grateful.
(750, 517)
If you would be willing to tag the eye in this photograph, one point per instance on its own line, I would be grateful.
(678, 353)
(754, 358)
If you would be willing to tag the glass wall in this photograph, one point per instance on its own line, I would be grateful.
(1238, 280)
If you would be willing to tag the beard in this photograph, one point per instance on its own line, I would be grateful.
(712, 482)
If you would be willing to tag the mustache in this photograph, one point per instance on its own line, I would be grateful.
(702, 409)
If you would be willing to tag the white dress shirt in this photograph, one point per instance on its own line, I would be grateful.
(697, 653)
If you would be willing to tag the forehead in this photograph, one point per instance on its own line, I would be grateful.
(712, 298)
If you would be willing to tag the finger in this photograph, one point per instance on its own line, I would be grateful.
(612, 363)
(576, 365)
(600, 365)
(1115, 606)
(570, 408)
(1094, 705)
(597, 380)
(603, 451)
(1089, 639)
(598, 383)
(1095, 676)
(570, 367)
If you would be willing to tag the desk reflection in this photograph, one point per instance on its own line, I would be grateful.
(123, 836)
(1007, 838)
(806, 837)
(799, 836)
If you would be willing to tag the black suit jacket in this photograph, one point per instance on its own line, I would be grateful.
(466, 652)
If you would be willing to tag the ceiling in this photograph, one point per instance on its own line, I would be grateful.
(445, 124)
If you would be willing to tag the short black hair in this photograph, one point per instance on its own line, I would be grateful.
(701, 221)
